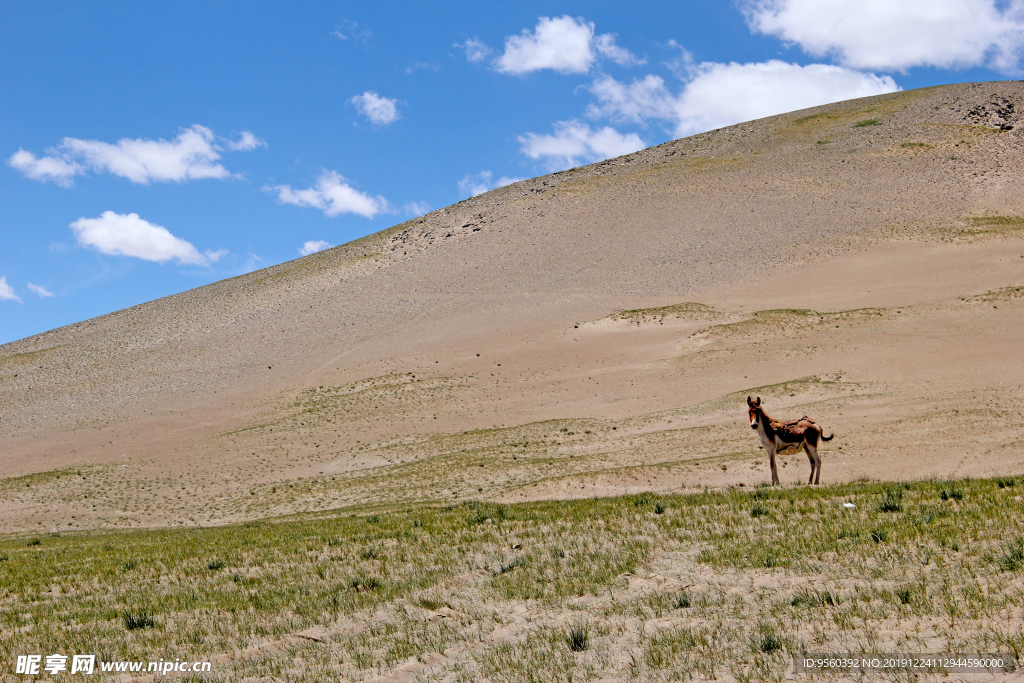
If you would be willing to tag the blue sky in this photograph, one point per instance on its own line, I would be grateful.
(154, 147)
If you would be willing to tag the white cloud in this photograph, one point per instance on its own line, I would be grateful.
(574, 142)
(723, 94)
(333, 196)
(189, 156)
(417, 208)
(380, 110)
(60, 171)
(7, 292)
(637, 102)
(312, 247)
(351, 30)
(887, 35)
(478, 183)
(129, 235)
(563, 44)
(476, 50)
(40, 291)
(246, 143)
(605, 44)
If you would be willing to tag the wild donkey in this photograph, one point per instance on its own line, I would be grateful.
(787, 438)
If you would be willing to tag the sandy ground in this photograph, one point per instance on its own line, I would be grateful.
(587, 333)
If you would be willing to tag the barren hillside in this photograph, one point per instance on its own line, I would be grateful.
(588, 332)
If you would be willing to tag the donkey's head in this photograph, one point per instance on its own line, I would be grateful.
(754, 410)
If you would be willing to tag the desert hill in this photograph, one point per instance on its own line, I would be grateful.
(588, 332)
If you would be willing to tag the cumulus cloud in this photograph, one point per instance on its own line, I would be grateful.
(311, 247)
(246, 143)
(478, 183)
(574, 142)
(191, 155)
(886, 35)
(417, 208)
(723, 94)
(40, 291)
(380, 110)
(562, 44)
(332, 195)
(476, 50)
(129, 235)
(7, 292)
(60, 171)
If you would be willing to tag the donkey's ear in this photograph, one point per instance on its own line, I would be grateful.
(749, 402)
(758, 401)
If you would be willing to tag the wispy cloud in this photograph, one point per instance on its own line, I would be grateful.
(193, 154)
(574, 142)
(417, 208)
(478, 183)
(333, 196)
(245, 143)
(380, 110)
(128, 235)
(40, 291)
(476, 50)
(351, 31)
(7, 292)
(311, 247)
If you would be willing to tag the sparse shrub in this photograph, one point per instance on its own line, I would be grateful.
(558, 553)
(758, 510)
(479, 518)
(215, 565)
(809, 597)
(643, 499)
(880, 535)
(363, 584)
(370, 552)
(951, 494)
(130, 565)
(373, 519)
(1012, 557)
(892, 500)
(659, 509)
(506, 567)
(136, 620)
(905, 594)
(767, 640)
(867, 122)
(1005, 482)
(579, 637)
(427, 602)
(770, 561)
(682, 600)
(34, 541)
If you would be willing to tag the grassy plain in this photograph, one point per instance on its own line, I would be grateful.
(727, 583)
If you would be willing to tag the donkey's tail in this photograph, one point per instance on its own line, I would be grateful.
(827, 438)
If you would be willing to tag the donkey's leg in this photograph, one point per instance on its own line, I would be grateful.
(812, 455)
(771, 461)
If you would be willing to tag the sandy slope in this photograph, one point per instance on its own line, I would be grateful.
(860, 262)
